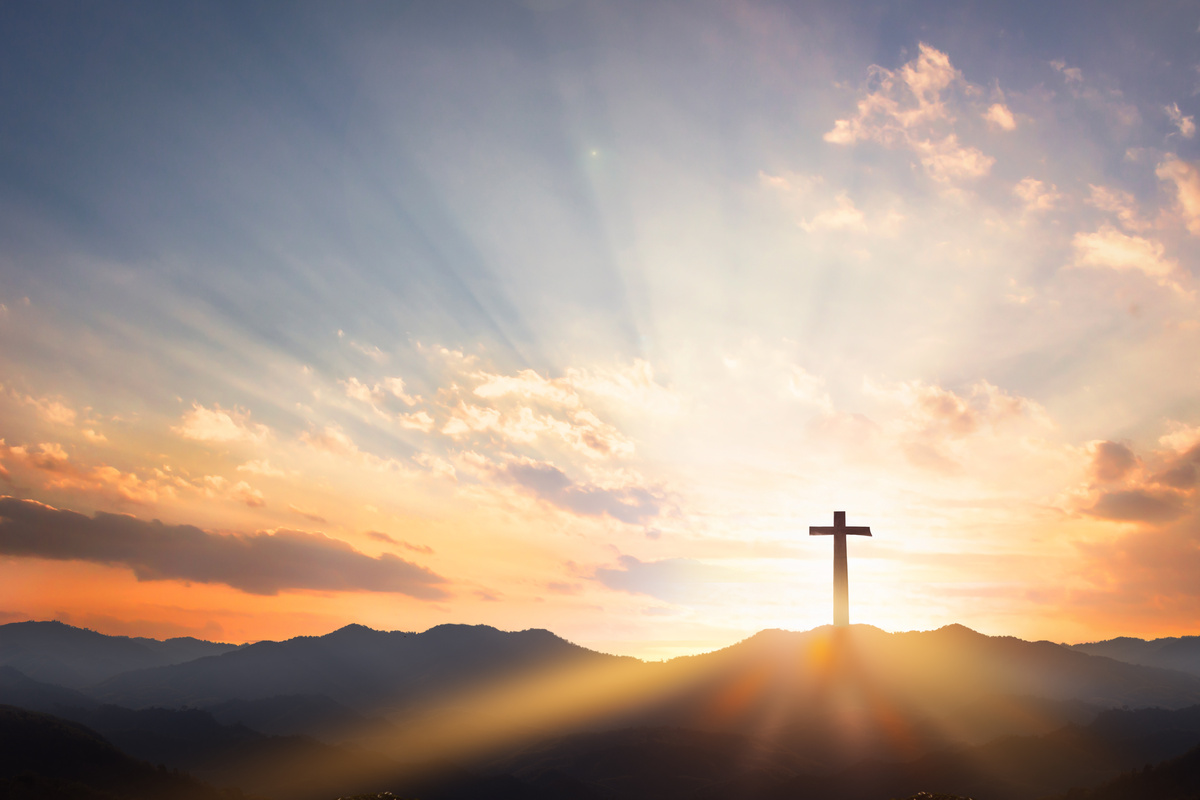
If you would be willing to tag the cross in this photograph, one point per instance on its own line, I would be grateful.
(841, 578)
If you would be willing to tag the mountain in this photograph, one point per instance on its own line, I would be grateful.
(75, 657)
(473, 712)
(1180, 652)
(364, 669)
(679, 764)
(301, 714)
(50, 758)
(843, 694)
(18, 689)
(1176, 779)
(836, 694)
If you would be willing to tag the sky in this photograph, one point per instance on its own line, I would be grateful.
(576, 315)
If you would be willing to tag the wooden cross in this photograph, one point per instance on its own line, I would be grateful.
(841, 577)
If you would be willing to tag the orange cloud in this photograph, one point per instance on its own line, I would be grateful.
(1111, 461)
(51, 461)
(219, 425)
(910, 107)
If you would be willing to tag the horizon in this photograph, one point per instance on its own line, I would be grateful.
(580, 313)
(622, 655)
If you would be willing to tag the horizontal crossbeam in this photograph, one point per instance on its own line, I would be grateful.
(827, 530)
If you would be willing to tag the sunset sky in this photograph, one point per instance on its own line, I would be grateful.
(575, 315)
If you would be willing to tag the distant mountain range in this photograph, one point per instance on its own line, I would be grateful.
(1181, 652)
(74, 657)
(469, 711)
(355, 666)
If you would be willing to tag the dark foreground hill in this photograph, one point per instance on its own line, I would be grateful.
(47, 758)
(679, 764)
(1176, 779)
(75, 657)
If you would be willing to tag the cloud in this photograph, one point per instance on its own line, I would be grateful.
(380, 536)
(809, 388)
(1160, 490)
(931, 408)
(418, 421)
(94, 437)
(245, 493)
(1186, 125)
(1036, 195)
(908, 108)
(933, 423)
(999, 116)
(58, 471)
(369, 350)
(579, 428)
(1139, 505)
(1118, 203)
(377, 397)
(528, 385)
(332, 440)
(1072, 75)
(628, 504)
(263, 563)
(1186, 178)
(51, 409)
(261, 467)
(1180, 476)
(219, 425)
(1182, 438)
(1110, 248)
(633, 387)
(311, 516)
(844, 216)
(1111, 461)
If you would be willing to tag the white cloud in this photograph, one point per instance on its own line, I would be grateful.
(375, 396)
(357, 390)
(1119, 203)
(245, 493)
(809, 388)
(219, 425)
(999, 116)
(369, 350)
(940, 430)
(1186, 178)
(528, 385)
(844, 216)
(94, 436)
(908, 107)
(417, 421)
(332, 440)
(1036, 195)
(395, 387)
(1072, 75)
(1182, 438)
(945, 160)
(1112, 249)
(1186, 125)
(52, 410)
(261, 467)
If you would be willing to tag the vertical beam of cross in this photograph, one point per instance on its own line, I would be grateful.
(841, 571)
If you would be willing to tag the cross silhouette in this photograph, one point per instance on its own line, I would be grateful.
(841, 577)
